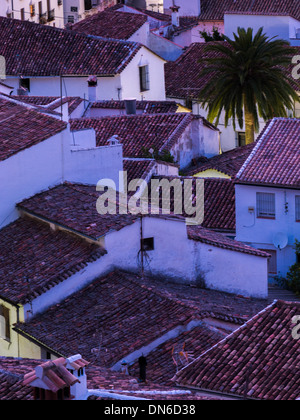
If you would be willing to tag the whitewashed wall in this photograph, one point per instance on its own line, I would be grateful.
(187, 7)
(197, 140)
(244, 274)
(283, 27)
(130, 80)
(260, 233)
(29, 172)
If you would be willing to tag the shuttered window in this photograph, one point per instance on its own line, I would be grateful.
(265, 205)
(144, 78)
(4, 323)
(297, 205)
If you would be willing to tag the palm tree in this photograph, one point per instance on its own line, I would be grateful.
(248, 78)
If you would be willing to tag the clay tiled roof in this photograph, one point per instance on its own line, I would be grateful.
(182, 77)
(138, 132)
(215, 9)
(219, 202)
(164, 361)
(21, 127)
(229, 163)
(206, 236)
(275, 158)
(138, 168)
(13, 370)
(148, 107)
(33, 259)
(260, 360)
(28, 49)
(115, 312)
(111, 24)
(51, 102)
(74, 207)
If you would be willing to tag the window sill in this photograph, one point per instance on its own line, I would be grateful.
(266, 218)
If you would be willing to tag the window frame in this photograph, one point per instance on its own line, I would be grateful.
(144, 76)
(297, 211)
(5, 314)
(265, 214)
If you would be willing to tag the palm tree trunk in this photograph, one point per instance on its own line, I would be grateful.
(249, 124)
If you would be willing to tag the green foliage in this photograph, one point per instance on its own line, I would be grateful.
(247, 74)
(214, 36)
(292, 280)
(164, 156)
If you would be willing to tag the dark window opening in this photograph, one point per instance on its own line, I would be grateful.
(241, 139)
(25, 83)
(147, 244)
(144, 78)
(4, 323)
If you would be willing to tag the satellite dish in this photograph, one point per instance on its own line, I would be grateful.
(280, 240)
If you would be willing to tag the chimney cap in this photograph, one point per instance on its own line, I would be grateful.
(175, 8)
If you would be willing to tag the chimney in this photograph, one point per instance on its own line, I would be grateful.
(175, 15)
(76, 366)
(92, 88)
(130, 106)
(51, 381)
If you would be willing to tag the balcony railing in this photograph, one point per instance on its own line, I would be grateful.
(51, 15)
(43, 18)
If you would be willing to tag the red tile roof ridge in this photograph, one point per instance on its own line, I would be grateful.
(263, 136)
(228, 337)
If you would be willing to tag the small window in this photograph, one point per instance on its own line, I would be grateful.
(4, 323)
(241, 139)
(74, 9)
(22, 14)
(25, 83)
(265, 205)
(144, 78)
(71, 19)
(297, 208)
(147, 244)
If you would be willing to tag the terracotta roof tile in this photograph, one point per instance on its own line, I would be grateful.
(28, 49)
(111, 24)
(183, 80)
(12, 371)
(33, 258)
(166, 360)
(21, 128)
(219, 202)
(148, 107)
(260, 360)
(137, 132)
(206, 236)
(74, 207)
(228, 163)
(117, 310)
(215, 9)
(275, 158)
(51, 102)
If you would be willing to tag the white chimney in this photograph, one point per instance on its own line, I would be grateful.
(76, 366)
(92, 88)
(175, 15)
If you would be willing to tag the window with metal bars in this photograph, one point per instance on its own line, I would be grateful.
(265, 204)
